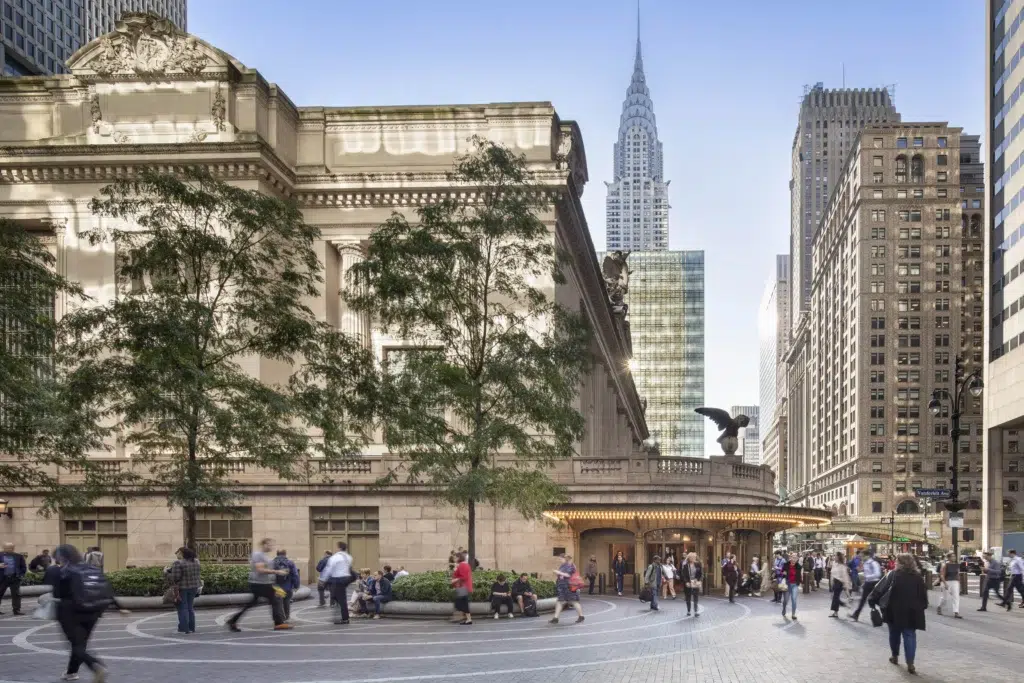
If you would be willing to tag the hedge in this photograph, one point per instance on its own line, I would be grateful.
(436, 586)
(218, 579)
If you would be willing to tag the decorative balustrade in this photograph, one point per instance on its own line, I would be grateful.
(346, 467)
(746, 471)
(107, 466)
(228, 467)
(679, 466)
(602, 467)
(224, 550)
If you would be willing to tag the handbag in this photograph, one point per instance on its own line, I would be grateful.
(575, 582)
(646, 594)
(172, 596)
(782, 586)
(876, 617)
(695, 584)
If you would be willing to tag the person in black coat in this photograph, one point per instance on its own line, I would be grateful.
(690, 575)
(904, 612)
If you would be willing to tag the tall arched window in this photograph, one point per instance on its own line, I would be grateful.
(1009, 506)
(917, 169)
(975, 223)
(901, 169)
(908, 507)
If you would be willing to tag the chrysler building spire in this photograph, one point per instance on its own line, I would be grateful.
(637, 205)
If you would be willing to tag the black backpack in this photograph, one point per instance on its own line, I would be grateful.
(90, 588)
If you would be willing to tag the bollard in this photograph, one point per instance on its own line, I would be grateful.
(963, 583)
(807, 582)
(600, 583)
(636, 584)
(928, 579)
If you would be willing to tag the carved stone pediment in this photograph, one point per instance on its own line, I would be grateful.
(145, 46)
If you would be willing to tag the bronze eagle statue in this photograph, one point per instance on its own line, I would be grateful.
(729, 425)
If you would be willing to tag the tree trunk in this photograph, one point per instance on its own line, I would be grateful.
(190, 527)
(471, 544)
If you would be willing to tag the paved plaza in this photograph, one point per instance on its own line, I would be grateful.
(620, 641)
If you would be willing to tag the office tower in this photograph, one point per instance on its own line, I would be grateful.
(637, 203)
(1004, 253)
(39, 35)
(827, 128)
(666, 319)
(749, 436)
(773, 338)
(893, 304)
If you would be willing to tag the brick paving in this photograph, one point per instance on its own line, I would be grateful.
(620, 641)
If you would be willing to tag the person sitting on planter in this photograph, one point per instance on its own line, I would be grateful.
(501, 594)
(381, 594)
(522, 592)
(388, 573)
(362, 593)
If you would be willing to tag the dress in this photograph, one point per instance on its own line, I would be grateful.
(565, 594)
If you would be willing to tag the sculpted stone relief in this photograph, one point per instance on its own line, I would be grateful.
(147, 45)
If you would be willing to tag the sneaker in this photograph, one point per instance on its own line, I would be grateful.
(911, 669)
(465, 623)
(18, 613)
(376, 616)
(579, 620)
(696, 614)
(511, 616)
(982, 609)
(835, 615)
(283, 627)
(620, 595)
(938, 610)
(894, 660)
(496, 615)
(956, 615)
(99, 675)
(687, 614)
(69, 677)
(553, 621)
(234, 628)
(793, 617)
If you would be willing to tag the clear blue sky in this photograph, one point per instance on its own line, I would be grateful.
(726, 79)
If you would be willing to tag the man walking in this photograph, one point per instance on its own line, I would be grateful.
(13, 565)
(339, 576)
(322, 585)
(949, 580)
(289, 582)
(819, 569)
(994, 578)
(261, 583)
(653, 577)
(777, 565)
(872, 575)
(1016, 577)
(95, 557)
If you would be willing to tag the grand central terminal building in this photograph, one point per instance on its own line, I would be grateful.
(149, 96)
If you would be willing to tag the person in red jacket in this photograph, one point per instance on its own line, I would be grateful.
(462, 582)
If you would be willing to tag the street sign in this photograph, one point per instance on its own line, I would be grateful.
(901, 539)
(932, 493)
(933, 534)
(956, 522)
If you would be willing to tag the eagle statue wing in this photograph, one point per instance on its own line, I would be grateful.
(720, 417)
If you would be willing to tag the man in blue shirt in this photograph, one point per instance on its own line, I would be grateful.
(872, 575)
(13, 566)
(288, 582)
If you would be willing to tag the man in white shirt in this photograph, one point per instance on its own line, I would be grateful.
(819, 569)
(339, 575)
(401, 573)
(1016, 577)
(872, 575)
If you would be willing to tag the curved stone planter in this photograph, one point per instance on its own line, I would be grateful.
(225, 600)
(414, 610)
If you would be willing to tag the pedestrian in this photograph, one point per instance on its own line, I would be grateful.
(949, 582)
(1016, 577)
(288, 582)
(808, 577)
(872, 575)
(501, 594)
(12, 565)
(339, 575)
(755, 576)
(994, 579)
(668, 572)
(322, 585)
(840, 582)
(401, 572)
(261, 585)
(186, 579)
(591, 574)
(819, 569)
(854, 567)
(692, 576)
(789, 583)
(619, 568)
(904, 613)
(653, 578)
(462, 582)
(777, 564)
(567, 585)
(82, 594)
(94, 557)
(382, 593)
(731, 574)
(40, 562)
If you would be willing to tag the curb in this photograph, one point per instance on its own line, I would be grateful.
(401, 608)
(203, 601)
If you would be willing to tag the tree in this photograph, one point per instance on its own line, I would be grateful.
(211, 276)
(41, 430)
(470, 286)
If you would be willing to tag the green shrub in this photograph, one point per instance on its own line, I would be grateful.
(436, 586)
(218, 579)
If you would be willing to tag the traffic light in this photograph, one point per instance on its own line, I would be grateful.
(968, 534)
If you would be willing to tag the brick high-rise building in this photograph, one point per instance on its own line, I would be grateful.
(896, 296)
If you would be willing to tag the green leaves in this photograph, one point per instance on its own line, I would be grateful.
(482, 400)
(209, 360)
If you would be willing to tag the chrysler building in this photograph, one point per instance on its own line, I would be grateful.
(637, 205)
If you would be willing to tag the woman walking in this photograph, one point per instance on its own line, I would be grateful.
(904, 612)
(76, 623)
(591, 573)
(668, 574)
(840, 582)
(568, 591)
(692, 576)
(619, 568)
(185, 578)
(755, 576)
(789, 583)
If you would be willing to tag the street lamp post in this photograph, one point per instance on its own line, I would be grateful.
(961, 383)
(891, 521)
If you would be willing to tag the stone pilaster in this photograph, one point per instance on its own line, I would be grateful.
(992, 491)
(351, 322)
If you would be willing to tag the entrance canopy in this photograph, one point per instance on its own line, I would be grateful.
(772, 517)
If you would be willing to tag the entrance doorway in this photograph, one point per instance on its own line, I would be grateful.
(358, 527)
(103, 527)
(677, 543)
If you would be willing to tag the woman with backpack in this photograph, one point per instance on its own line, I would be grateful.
(82, 598)
(903, 599)
(567, 585)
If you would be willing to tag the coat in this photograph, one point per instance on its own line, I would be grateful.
(908, 600)
(684, 573)
(619, 567)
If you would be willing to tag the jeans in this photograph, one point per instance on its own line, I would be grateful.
(591, 579)
(15, 585)
(868, 587)
(992, 585)
(261, 590)
(730, 590)
(338, 588)
(379, 600)
(286, 604)
(1016, 582)
(691, 593)
(323, 589)
(909, 642)
(186, 610)
(619, 578)
(655, 589)
(78, 626)
(790, 597)
(818, 573)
